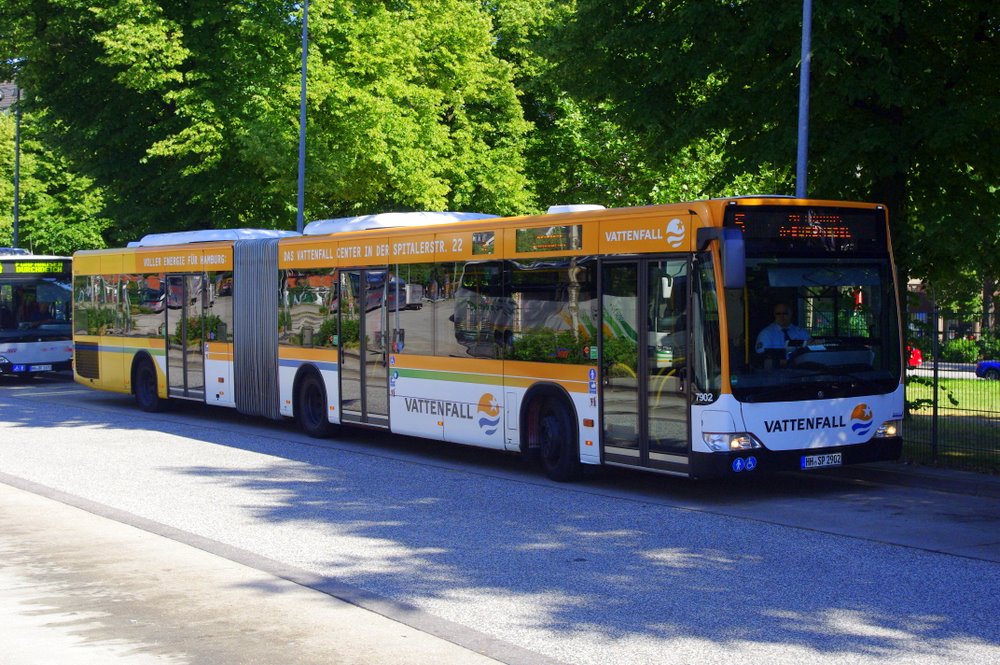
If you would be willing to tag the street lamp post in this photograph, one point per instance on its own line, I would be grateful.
(299, 219)
(17, 166)
(803, 143)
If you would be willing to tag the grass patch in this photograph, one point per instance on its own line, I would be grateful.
(968, 426)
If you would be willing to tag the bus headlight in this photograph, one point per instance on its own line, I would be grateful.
(728, 441)
(889, 429)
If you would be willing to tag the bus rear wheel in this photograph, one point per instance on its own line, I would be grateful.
(550, 428)
(145, 389)
(311, 407)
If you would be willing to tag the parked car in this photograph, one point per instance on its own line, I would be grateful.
(988, 369)
(914, 357)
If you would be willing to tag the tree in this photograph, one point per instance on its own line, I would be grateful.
(186, 114)
(6, 178)
(411, 108)
(60, 210)
(580, 151)
(902, 104)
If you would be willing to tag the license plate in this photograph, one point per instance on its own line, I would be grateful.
(817, 461)
(41, 368)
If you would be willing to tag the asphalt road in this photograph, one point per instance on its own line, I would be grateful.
(471, 551)
(946, 370)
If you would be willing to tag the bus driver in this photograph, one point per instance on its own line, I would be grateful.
(781, 334)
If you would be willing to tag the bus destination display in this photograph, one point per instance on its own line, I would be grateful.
(34, 267)
(837, 230)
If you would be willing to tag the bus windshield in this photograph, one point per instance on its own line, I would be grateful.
(34, 306)
(813, 328)
(817, 318)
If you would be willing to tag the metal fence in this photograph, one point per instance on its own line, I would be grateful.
(953, 415)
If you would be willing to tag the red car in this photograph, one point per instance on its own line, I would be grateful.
(913, 357)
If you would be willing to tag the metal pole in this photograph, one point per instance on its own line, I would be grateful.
(803, 146)
(17, 167)
(300, 216)
(935, 347)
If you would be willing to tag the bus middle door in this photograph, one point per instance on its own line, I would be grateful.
(364, 379)
(185, 343)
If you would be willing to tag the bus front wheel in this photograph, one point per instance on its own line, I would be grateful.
(551, 430)
(144, 386)
(311, 407)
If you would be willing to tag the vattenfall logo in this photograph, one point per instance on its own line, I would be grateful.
(489, 414)
(861, 419)
(861, 422)
(675, 232)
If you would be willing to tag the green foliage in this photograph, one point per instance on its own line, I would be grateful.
(6, 177)
(960, 350)
(95, 320)
(580, 150)
(989, 344)
(350, 332)
(327, 332)
(412, 109)
(546, 345)
(60, 210)
(165, 115)
(621, 353)
(902, 104)
(185, 115)
(198, 328)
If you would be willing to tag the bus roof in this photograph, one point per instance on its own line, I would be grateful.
(388, 220)
(25, 255)
(208, 235)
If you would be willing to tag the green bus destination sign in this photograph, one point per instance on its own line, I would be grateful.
(34, 267)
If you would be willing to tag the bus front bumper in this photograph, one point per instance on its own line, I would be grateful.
(7, 367)
(761, 460)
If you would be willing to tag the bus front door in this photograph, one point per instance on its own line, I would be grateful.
(184, 305)
(645, 388)
(364, 384)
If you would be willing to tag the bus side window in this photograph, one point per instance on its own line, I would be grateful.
(481, 317)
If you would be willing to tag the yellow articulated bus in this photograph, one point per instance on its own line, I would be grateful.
(713, 338)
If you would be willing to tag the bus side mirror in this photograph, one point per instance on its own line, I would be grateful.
(734, 266)
(733, 251)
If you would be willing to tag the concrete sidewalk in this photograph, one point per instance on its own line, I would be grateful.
(77, 588)
(926, 477)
